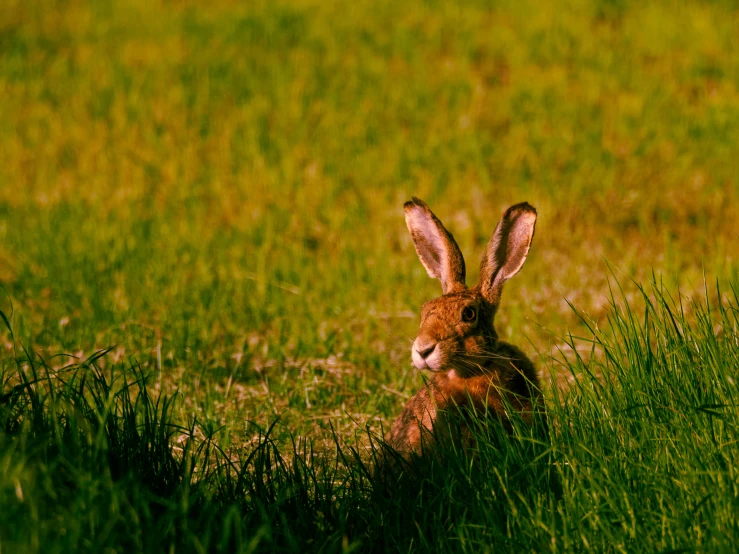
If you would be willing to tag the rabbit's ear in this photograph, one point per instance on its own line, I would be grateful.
(507, 250)
(436, 246)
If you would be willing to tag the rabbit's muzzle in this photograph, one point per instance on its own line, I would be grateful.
(425, 353)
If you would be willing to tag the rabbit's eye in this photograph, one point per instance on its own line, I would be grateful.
(469, 314)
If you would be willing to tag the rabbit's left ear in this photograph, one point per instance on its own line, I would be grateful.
(507, 250)
(435, 246)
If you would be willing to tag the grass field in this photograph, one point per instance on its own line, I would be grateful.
(214, 192)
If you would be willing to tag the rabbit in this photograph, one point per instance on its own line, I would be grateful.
(457, 341)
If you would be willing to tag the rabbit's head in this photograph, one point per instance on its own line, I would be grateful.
(457, 330)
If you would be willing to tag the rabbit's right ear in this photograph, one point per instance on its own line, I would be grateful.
(435, 246)
(507, 250)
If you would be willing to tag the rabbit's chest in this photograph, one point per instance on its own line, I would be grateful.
(426, 414)
(452, 390)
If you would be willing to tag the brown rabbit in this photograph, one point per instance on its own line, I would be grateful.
(457, 340)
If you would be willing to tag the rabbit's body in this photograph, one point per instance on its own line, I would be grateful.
(472, 369)
(445, 392)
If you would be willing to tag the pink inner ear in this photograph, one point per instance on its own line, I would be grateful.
(427, 252)
(429, 244)
(507, 249)
(517, 244)
(436, 248)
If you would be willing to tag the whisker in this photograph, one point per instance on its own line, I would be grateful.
(492, 355)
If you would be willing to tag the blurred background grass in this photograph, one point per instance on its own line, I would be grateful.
(217, 187)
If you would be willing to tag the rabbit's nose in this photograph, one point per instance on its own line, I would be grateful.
(425, 350)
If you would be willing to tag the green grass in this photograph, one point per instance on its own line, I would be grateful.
(215, 191)
(639, 456)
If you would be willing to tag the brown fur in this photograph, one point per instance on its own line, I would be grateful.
(471, 367)
(448, 390)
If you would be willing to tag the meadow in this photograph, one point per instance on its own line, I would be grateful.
(208, 291)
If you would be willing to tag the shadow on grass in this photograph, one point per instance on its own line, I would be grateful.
(106, 448)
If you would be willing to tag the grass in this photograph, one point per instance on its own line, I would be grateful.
(638, 456)
(215, 193)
